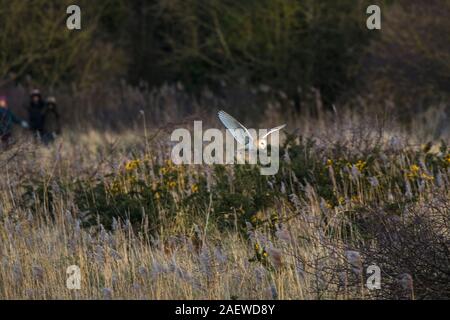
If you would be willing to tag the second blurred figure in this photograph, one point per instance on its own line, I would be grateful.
(52, 126)
(36, 112)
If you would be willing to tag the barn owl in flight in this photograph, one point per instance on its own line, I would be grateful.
(242, 135)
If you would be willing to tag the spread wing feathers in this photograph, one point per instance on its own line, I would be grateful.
(273, 130)
(239, 132)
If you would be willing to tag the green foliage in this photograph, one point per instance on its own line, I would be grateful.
(290, 45)
(344, 179)
(283, 43)
(35, 42)
(411, 54)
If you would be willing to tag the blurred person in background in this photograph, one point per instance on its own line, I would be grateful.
(7, 119)
(36, 112)
(52, 125)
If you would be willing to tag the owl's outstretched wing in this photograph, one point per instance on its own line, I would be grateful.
(239, 132)
(273, 130)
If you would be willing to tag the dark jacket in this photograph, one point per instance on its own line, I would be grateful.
(36, 112)
(7, 118)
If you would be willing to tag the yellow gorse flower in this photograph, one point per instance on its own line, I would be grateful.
(413, 171)
(194, 188)
(168, 168)
(361, 165)
(329, 162)
(172, 184)
(447, 159)
(427, 176)
(132, 165)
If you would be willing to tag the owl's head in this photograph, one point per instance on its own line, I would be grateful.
(262, 144)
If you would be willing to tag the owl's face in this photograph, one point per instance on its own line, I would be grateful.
(262, 144)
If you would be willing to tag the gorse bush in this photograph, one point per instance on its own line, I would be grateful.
(146, 189)
(161, 193)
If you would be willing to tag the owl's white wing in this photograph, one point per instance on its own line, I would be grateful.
(239, 132)
(273, 130)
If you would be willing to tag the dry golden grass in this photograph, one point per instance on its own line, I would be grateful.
(304, 254)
